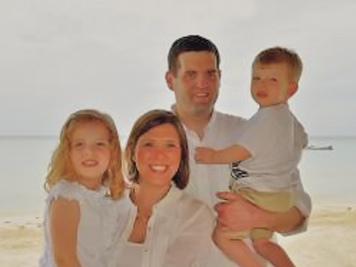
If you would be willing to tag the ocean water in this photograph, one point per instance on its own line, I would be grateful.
(329, 176)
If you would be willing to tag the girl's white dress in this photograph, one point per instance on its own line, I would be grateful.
(98, 226)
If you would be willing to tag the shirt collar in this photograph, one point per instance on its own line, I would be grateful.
(99, 192)
(173, 194)
(208, 126)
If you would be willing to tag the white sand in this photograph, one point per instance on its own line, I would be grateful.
(20, 241)
(329, 242)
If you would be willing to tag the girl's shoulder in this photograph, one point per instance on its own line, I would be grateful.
(66, 190)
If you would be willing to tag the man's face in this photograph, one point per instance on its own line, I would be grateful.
(196, 82)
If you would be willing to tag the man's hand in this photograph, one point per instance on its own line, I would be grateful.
(205, 155)
(236, 214)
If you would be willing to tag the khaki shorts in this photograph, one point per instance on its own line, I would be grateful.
(269, 201)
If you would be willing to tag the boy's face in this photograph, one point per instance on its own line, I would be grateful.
(272, 84)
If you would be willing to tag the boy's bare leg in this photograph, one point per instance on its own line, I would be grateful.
(235, 250)
(272, 252)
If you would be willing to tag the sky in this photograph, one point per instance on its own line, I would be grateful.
(60, 56)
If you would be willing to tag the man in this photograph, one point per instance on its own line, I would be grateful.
(194, 77)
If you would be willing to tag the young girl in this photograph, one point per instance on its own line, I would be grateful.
(84, 180)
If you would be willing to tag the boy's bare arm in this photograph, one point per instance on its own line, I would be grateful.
(228, 155)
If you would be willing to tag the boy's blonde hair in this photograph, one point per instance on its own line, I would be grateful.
(281, 55)
(60, 166)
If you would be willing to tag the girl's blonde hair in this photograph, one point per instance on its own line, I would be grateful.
(61, 167)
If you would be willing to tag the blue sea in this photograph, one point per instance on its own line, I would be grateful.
(328, 175)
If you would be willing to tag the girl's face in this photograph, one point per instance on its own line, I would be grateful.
(158, 155)
(90, 152)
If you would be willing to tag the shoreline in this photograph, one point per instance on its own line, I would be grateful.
(328, 241)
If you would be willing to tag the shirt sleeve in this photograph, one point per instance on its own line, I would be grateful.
(193, 244)
(255, 130)
(303, 203)
(66, 190)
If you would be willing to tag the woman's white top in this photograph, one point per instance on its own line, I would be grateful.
(178, 233)
(98, 225)
(133, 254)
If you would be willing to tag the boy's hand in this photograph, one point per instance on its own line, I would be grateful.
(204, 155)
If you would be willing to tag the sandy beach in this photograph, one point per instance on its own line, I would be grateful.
(329, 241)
(20, 240)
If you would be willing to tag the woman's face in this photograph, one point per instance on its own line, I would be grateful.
(157, 155)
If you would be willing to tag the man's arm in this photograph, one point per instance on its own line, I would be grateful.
(237, 214)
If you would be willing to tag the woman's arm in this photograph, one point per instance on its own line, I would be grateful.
(64, 220)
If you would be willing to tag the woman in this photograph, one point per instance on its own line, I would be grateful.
(164, 227)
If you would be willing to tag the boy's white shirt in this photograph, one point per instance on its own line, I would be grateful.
(275, 140)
